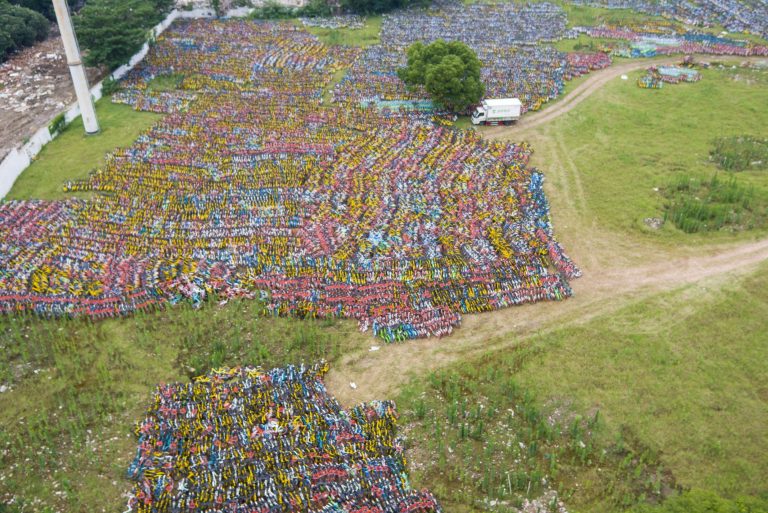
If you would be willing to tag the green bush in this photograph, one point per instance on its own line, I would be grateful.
(109, 86)
(57, 125)
(380, 6)
(271, 10)
(20, 27)
(44, 7)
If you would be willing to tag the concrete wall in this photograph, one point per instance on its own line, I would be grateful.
(19, 159)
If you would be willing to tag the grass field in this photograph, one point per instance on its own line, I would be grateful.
(366, 36)
(77, 388)
(585, 15)
(668, 391)
(654, 137)
(686, 370)
(73, 154)
(583, 43)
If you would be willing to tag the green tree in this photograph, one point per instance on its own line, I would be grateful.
(450, 72)
(162, 8)
(113, 30)
(44, 7)
(6, 44)
(20, 27)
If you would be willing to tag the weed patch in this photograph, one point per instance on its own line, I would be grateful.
(493, 445)
(739, 153)
(715, 204)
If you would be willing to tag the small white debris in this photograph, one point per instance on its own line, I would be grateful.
(352, 385)
(624, 77)
(374, 348)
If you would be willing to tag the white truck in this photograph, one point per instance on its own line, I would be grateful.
(501, 111)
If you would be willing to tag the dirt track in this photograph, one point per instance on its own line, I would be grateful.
(595, 81)
(617, 269)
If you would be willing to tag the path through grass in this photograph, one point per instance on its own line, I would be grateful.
(628, 143)
(668, 391)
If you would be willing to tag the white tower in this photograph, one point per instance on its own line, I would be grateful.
(76, 69)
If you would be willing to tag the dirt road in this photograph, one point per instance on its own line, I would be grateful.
(618, 269)
(594, 82)
(379, 374)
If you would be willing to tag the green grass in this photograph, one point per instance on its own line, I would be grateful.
(77, 387)
(585, 15)
(584, 43)
(686, 371)
(73, 155)
(486, 443)
(668, 392)
(628, 143)
(364, 37)
(717, 203)
(169, 82)
(741, 152)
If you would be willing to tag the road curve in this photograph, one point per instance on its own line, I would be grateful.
(595, 80)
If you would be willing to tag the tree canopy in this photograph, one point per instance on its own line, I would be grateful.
(113, 30)
(20, 27)
(450, 73)
(44, 7)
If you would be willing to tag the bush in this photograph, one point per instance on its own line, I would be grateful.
(20, 27)
(112, 31)
(57, 125)
(380, 6)
(109, 86)
(271, 10)
(316, 8)
(44, 7)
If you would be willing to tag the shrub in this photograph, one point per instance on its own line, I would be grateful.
(109, 86)
(20, 27)
(57, 125)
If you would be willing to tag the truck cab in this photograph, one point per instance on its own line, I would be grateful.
(478, 116)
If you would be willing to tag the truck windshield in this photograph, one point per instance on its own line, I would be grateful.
(476, 113)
